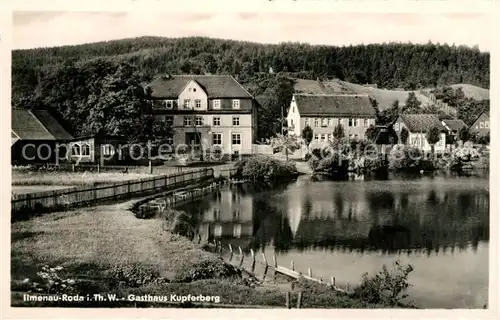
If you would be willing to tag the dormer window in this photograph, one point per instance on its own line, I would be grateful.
(216, 104)
(236, 104)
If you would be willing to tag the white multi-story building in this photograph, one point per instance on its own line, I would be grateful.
(211, 109)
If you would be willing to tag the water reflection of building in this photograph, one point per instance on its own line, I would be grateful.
(399, 216)
(229, 216)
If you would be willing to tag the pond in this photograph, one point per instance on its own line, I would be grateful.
(439, 224)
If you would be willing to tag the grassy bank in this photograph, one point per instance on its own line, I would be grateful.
(105, 249)
(61, 178)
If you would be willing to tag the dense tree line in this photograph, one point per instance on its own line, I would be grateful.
(408, 66)
(97, 87)
(97, 97)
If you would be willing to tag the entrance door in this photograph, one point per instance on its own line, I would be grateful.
(192, 139)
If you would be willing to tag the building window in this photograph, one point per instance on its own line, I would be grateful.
(170, 141)
(330, 122)
(85, 150)
(236, 121)
(236, 214)
(216, 121)
(216, 104)
(108, 150)
(330, 137)
(324, 122)
(237, 231)
(187, 102)
(308, 122)
(169, 104)
(236, 138)
(199, 121)
(316, 122)
(236, 104)
(216, 214)
(187, 121)
(323, 137)
(316, 137)
(197, 103)
(217, 138)
(366, 122)
(217, 231)
(169, 120)
(291, 122)
(75, 150)
(194, 89)
(486, 124)
(351, 122)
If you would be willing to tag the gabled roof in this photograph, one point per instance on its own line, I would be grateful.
(37, 125)
(482, 115)
(334, 105)
(216, 86)
(422, 122)
(454, 124)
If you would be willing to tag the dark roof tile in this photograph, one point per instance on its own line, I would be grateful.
(334, 105)
(42, 126)
(422, 122)
(455, 124)
(216, 86)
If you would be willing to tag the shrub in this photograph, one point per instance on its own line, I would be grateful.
(387, 287)
(409, 159)
(134, 275)
(207, 269)
(265, 169)
(49, 281)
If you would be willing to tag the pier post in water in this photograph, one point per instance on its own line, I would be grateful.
(241, 255)
(275, 264)
(264, 258)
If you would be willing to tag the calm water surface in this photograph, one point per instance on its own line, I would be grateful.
(439, 224)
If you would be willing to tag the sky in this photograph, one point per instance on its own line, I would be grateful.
(32, 29)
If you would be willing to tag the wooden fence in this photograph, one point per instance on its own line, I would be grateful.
(86, 195)
(277, 269)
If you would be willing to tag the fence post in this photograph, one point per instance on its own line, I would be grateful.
(332, 280)
(309, 272)
(230, 252)
(265, 259)
(299, 300)
(293, 266)
(288, 306)
(220, 248)
(242, 257)
(253, 259)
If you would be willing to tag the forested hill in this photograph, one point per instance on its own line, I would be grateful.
(85, 85)
(407, 66)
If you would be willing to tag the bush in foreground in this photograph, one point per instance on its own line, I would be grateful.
(386, 287)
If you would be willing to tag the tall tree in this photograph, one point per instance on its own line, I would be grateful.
(338, 132)
(403, 135)
(463, 134)
(433, 136)
(371, 133)
(286, 144)
(412, 104)
(307, 135)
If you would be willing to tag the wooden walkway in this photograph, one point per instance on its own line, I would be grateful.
(268, 271)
